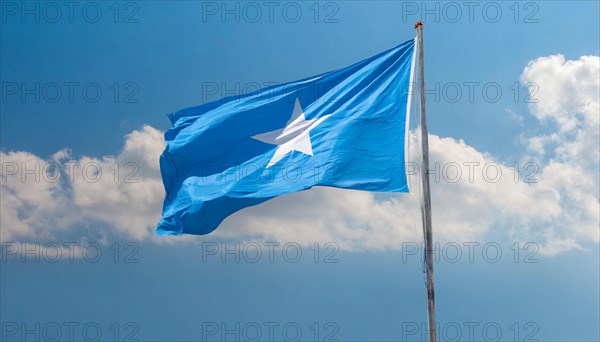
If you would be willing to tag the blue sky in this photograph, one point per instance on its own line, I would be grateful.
(153, 58)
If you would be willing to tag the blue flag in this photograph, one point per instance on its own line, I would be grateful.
(345, 129)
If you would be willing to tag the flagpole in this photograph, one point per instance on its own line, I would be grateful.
(426, 200)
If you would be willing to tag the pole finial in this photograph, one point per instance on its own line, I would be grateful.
(418, 24)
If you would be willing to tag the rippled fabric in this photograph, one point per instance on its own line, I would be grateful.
(345, 128)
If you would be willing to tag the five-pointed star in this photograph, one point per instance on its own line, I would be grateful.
(295, 136)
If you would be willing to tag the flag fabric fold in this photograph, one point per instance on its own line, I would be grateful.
(345, 128)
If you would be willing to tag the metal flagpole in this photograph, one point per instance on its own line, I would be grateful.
(426, 200)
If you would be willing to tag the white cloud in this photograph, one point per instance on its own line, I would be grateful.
(131, 202)
(123, 192)
(568, 98)
(560, 211)
(515, 117)
(31, 204)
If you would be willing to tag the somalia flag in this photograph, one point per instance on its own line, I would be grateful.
(345, 128)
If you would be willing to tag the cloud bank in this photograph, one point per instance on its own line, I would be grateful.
(474, 196)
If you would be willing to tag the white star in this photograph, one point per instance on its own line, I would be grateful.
(293, 137)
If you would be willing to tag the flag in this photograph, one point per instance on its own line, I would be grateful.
(345, 128)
